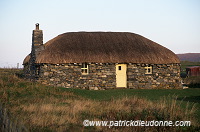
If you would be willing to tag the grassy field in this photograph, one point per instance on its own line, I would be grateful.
(185, 64)
(44, 108)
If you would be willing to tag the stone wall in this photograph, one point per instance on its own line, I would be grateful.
(103, 76)
(26, 71)
(162, 77)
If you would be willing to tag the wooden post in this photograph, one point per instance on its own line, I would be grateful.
(17, 65)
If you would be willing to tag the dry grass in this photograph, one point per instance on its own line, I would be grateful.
(43, 108)
(56, 116)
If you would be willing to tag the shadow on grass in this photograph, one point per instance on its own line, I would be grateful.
(194, 85)
(194, 99)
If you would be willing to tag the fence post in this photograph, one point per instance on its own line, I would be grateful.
(6, 125)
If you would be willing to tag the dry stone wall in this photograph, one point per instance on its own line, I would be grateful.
(100, 76)
(162, 77)
(103, 76)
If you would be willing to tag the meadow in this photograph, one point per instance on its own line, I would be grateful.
(45, 108)
(185, 64)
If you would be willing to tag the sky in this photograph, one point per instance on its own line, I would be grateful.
(174, 24)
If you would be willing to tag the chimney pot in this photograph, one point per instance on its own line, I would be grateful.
(37, 26)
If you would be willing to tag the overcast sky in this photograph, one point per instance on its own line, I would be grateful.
(174, 24)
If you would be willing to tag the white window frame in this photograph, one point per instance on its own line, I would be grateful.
(148, 69)
(84, 68)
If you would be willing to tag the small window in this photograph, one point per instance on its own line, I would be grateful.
(119, 68)
(84, 69)
(38, 70)
(148, 70)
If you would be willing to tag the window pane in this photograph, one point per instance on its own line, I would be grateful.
(84, 70)
(82, 65)
(119, 67)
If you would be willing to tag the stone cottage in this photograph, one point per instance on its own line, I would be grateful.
(101, 60)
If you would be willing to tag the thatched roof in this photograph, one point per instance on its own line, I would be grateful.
(104, 47)
(26, 60)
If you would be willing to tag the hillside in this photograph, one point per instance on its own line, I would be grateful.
(193, 57)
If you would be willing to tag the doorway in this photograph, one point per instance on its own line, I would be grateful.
(121, 75)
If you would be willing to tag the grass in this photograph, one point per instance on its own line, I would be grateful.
(147, 93)
(44, 108)
(185, 64)
(191, 95)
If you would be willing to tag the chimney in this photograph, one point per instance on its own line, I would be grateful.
(37, 47)
(37, 40)
(37, 37)
(37, 26)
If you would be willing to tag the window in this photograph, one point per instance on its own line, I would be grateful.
(84, 69)
(37, 70)
(119, 67)
(148, 70)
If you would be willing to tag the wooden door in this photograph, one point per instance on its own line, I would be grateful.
(121, 77)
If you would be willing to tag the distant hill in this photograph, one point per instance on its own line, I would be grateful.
(193, 57)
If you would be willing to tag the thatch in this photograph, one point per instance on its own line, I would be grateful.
(104, 47)
(26, 60)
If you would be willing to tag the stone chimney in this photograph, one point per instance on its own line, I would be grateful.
(37, 47)
(37, 37)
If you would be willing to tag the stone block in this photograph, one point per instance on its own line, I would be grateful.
(46, 73)
(57, 79)
(51, 79)
(95, 88)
